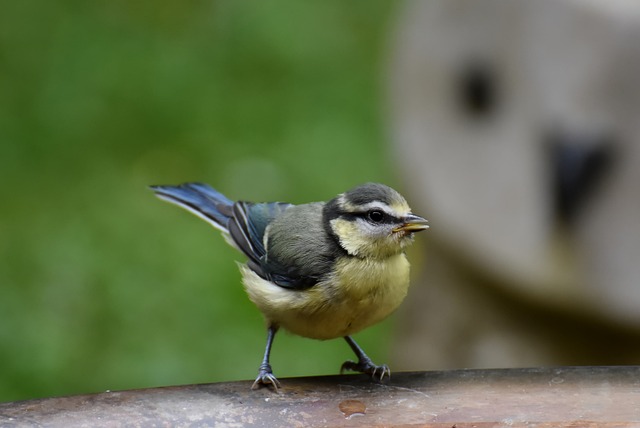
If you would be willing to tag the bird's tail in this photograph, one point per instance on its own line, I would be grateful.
(200, 199)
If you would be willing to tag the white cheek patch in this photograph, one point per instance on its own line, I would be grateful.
(372, 231)
(361, 239)
(351, 239)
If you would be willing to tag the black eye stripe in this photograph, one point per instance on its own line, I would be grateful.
(365, 215)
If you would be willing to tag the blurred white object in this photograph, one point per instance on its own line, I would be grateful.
(516, 126)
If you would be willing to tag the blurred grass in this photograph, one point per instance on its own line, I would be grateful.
(105, 287)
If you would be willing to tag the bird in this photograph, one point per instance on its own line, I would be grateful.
(321, 270)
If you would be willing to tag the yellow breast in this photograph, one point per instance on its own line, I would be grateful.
(361, 292)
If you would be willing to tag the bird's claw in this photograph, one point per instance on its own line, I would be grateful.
(266, 377)
(368, 367)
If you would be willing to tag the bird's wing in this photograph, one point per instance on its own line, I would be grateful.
(300, 253)
(294, 263)
(247, 227)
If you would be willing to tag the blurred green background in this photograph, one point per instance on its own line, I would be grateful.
(102, 285)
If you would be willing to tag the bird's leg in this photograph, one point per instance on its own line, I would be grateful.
(265, 375)
(364, 364)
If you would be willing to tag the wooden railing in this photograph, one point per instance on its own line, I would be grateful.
(538, 397)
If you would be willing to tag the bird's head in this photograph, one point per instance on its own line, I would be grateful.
(372, 220)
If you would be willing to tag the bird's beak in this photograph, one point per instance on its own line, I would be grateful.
(412, 223)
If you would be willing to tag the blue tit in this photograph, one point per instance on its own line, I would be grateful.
(321, 270)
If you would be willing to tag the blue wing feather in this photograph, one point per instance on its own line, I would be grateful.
(244, 222)
(200, 199)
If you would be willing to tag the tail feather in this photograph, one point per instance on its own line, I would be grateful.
(201, 200)
(244, 224)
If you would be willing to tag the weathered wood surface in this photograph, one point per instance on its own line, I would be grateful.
(541, 397)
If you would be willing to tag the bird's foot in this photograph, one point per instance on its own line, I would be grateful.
(368, 367)
(266, 377)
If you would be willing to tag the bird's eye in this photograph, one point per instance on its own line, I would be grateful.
(375, 216)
